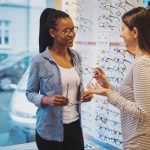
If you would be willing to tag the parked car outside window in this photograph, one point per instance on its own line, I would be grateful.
(12, 67)
(3, 56)
(22, 114)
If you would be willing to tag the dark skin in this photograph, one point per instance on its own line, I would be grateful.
(59, 52)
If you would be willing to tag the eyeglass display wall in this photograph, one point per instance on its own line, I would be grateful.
(98, 42)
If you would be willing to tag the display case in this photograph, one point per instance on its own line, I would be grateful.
(99, 44)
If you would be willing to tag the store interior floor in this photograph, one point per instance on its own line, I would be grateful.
(32, 146)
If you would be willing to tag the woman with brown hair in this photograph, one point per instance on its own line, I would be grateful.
(133, 95)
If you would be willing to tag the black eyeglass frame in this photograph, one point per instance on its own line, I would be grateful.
(67, 31)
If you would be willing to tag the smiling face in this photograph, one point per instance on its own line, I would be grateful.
(130, 37)
(64, 33)
(126, 34)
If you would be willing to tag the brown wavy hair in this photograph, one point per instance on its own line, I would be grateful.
(140, 18)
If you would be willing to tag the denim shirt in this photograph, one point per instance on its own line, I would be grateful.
(45, 80)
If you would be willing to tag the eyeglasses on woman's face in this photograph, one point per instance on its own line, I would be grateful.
(67, 31)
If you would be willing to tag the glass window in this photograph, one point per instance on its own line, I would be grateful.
(6, 37)
(4, 33)
(0, 37)
(18, 44)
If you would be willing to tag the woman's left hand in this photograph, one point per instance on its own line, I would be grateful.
(86, 96)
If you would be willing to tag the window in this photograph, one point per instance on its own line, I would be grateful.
(18, 43)
(4, 34)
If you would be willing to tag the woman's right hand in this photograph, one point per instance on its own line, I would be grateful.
(98, 89)
(56, 100)
(101, 78)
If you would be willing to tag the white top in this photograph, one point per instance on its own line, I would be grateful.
(133, 99)
(70, 77)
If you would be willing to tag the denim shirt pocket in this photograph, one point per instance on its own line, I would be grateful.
(47, 81)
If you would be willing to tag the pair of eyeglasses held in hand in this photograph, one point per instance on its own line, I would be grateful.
(71, 103)
(75, 103)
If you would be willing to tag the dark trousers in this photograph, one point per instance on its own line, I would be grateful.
(73, 139)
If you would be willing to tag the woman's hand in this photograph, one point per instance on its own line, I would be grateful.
(101, 78)
(56, 100)
(98, 89)
(86, 96)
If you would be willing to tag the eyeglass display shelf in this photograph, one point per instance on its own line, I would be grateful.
(99, 144)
